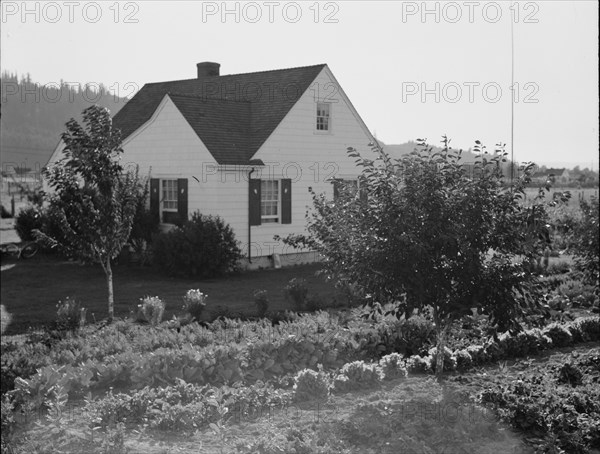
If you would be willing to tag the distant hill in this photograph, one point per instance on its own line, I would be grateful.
(34, 116)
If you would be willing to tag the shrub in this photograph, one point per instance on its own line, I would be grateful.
(151, 310)
(4, 213)
(464, 360)
(357, 375)
(449, 359)
(296, 291)
(204, 246)
(194, 303)
(560, 335)
(28, 219)
(310, 384)
(477, 353)
(418, 364)
(37, 218)
(6, 318)
(588, 328)
(261, 301)
(69, 314)
(392, 366)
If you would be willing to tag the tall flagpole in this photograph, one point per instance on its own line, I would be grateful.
(512, 102)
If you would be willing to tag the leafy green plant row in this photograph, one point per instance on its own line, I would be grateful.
(183, 407)
(508, 346)
(93, 345)
(262, 360)
(560, 402)
(215, 365)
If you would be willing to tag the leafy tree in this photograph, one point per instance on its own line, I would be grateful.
(585, 242)
(92, 197)
(431, 234)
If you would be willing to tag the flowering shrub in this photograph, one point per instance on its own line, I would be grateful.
(392, 366)
(151, 310)
(310, 384)
(70, 314)
(194, 303)
(261, 301)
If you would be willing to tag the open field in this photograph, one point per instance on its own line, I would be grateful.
(576, 194)
(31, 289)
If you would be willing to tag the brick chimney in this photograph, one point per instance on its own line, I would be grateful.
(207, 69)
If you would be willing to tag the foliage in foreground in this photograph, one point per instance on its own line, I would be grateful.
(181, 388)
(427, 231)
(560, 401)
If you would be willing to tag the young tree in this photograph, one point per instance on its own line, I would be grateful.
(431, 234)
(92, 196)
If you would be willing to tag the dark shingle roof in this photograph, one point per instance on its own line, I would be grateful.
(232, 114)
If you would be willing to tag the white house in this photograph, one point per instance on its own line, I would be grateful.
(246, 147)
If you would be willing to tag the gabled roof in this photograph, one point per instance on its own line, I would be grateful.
(548, 172)
(233, 115)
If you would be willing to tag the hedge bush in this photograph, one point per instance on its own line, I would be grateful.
(204, 246)
(28, 219)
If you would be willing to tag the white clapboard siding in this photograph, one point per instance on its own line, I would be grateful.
(295, 145)
(166, 146)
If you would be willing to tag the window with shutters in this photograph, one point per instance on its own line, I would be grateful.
(169, 200)
(270, 200)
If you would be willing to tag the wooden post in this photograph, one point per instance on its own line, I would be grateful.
(12, 206)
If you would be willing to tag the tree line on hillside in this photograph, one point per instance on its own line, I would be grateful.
(34, 115)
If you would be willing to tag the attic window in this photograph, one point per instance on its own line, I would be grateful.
(323, 116)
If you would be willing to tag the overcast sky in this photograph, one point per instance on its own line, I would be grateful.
(411, 69)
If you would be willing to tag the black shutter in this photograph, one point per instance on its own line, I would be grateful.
(182, 199)
(336, 189)
(254, 202)
(155, 199)
(286, 201)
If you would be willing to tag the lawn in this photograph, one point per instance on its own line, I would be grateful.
(32, 288)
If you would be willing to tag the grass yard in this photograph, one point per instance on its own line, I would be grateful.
(32, 288)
